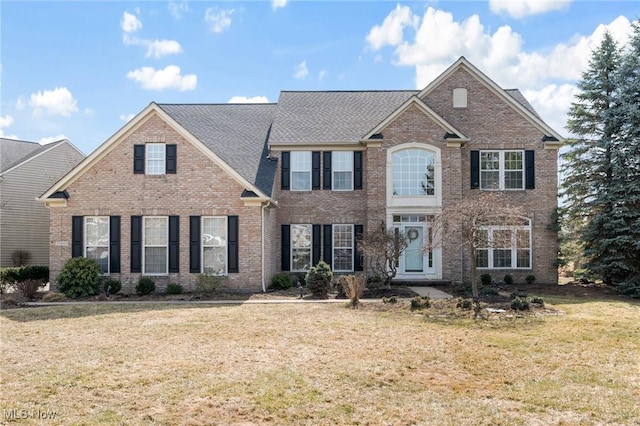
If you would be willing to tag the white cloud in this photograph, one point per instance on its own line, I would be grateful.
(159, 48)
(322, 75)
(392, 28)
(178, 8)
(218, 19)
(126, 117)
(275, 4)
(58, 101)
(167, 78)
(6, 121)
(521, 8)
(246, 100)
(47, 140)
(301, 71)
(546, 78)
(130, 23)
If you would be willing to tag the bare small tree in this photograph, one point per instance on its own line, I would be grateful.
(465, 223)
(381, 250)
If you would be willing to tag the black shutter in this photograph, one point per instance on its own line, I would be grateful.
(232, 244)
(138, 159)
(136, 243)
(77, 239)
(328, 245)
(475, 169)
(316, 244)
(529, 170)
(114, 244)
(315, 170)
(357, 170)
(285, 241)
(174, 243)
(284, 175)
(357, 260)
(171, 158)
(326, 170)
(194, 244)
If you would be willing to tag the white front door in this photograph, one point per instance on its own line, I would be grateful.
(418, 259)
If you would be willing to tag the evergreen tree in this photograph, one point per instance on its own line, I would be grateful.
(587, 165)
(626, 160)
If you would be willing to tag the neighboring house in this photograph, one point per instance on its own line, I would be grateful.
(245, 191)
(26, 170)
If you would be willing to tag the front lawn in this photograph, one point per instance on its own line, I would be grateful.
(319, 364)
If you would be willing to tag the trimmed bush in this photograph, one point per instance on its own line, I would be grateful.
(537, 300)
(145, 286)
(465, 304)
(207, 284)
(485, 279)
(508, 279)
(319, 280)
(80, 277)
(530, 279)
(23, 273)
(520, 304)
(281, 281)
(112, 286)
(174, 288)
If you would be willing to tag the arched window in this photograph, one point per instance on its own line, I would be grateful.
(413, 172)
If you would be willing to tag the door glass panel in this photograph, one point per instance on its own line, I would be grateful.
(413, 256)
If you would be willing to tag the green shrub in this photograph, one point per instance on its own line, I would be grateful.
(112, 286)
(80, 277)
(319, 280)
(420, 302)
(630, 288)
(174, 288)
(508, 279)
(281, 281)
(145, 286)
(485, 279)
(520, 304)
(23, 273)
(207, 284)
(530, 279)
(489, 291)
(537, 300)
(465, 304)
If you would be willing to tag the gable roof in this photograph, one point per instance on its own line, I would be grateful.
(332, 117)
(512, 97)
(237, 133)
(15, 152)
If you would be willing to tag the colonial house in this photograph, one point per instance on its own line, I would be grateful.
(246, 191)
(26, 170)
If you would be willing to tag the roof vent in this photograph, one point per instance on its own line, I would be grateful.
(459, 97)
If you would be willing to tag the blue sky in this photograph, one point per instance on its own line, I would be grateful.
(79, 70)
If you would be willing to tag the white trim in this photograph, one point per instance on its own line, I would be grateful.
(144, 247)
(292, 171)
(514, 246)
(333, 246)
(502, 170)
(85, 244)
(291, 246)
(395, 201)
(334, 171)
(226, 245)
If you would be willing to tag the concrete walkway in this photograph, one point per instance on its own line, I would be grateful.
(433, 293)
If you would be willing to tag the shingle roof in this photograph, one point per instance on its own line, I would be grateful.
(332, 117)
(236, 133)
(14, 152)
(518, 96)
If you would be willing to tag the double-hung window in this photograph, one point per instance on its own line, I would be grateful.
(96, 231)
(300, 247)
(504, 247)
(155, 245)
(342, 169)
(343, 248)
(301, 170)
(155, 158)
(502, 170)
(214, 245)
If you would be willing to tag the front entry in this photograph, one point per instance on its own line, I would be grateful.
(418, 261)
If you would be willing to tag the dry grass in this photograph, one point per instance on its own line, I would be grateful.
(320, 364)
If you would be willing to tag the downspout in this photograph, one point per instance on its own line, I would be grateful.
(264, 287)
